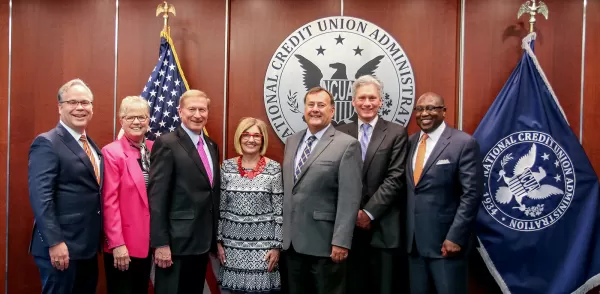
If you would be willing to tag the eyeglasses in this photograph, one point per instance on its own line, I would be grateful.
(75, 103)
(141, 118)
(429, 108)
(246, 136)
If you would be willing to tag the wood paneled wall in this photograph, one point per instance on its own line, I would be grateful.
(591, 103)
(55, 41)
(198, 33)
(4, 30)
(493, 48)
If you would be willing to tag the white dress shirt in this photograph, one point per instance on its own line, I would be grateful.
(429, 143)
(300, 150)
(195, 138)
(77, 136)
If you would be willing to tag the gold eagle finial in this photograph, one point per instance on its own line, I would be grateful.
(165, 8)
(532, 8)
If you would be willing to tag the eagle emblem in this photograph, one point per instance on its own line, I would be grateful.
(338, 84)
(525, 182)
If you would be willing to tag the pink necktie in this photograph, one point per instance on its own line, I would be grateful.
(205, 160)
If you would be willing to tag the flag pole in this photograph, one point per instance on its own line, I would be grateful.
(165, 8)
(532, 9)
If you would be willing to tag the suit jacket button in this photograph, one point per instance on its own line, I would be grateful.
(98, 211)
(210, 210)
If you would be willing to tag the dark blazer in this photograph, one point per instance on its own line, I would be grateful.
(183, 206)
(444, 203)
(320, 208)
(383, 192)
(64, 195)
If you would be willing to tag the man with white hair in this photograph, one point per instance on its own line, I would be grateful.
(65, 180)
(373, 265)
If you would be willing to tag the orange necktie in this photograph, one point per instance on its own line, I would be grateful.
(420, 158)
(88, 151)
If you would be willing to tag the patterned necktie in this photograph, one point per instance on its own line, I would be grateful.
(364, 139)
(204, 158)
(420, 158)
(88, 151)
(145, 157)
(304, 156)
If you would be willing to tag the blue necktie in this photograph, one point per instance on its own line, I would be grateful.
(364, 140)
(304, 156)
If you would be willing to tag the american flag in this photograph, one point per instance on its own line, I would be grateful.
(162, 91)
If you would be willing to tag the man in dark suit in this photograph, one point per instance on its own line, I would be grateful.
(183, 195)
(65, 176)
(445, 184)
(321, 179)
(374, 259)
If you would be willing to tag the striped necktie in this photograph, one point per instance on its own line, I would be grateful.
(88, 151)
(304, 157)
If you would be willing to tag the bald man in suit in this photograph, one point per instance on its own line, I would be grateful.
(444, 185)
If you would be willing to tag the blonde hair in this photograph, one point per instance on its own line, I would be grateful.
(194, 93)
(246, 123)
(133, 103)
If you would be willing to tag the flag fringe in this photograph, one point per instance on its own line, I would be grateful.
(527, 47)
(589, 285)
(492, 268)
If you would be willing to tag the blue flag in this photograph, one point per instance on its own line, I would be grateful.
(538, 223)
(163, 89)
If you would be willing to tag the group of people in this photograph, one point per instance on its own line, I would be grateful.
(348, 210)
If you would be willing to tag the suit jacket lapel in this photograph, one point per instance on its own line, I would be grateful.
(443, 141)
(133, 166)
(74, 146)
(186, 142)
(100, 159)
(413, 147)
(379, 133)
(316, 150)
(294, 144)
(353, 130)
(212, 149)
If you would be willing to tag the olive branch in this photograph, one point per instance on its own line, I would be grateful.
(292, 102)
(508, 157)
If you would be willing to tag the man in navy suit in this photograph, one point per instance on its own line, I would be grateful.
(65, 176)
(444, 187)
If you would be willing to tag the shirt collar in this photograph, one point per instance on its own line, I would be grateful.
(195, 137)
(319, 134)
(436, 134)
(373, 122)
(73, 133)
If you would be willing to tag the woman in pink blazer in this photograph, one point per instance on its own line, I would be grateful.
(127, 261)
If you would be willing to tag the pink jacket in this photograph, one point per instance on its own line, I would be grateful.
(125, 201)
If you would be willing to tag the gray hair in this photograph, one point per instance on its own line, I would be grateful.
(133, 103)
(367, 80)
(68, 85)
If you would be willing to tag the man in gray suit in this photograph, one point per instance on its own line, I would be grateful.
(322, 184)
(374, 263)
(444, 185)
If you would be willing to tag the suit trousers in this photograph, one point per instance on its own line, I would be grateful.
(313, 274)
(449, 275)
(185, 276)
(80, 278)
(134, 280)
(374, 270)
